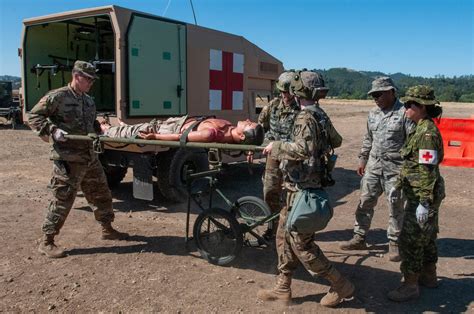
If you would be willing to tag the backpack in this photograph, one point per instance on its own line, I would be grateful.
(330, 139)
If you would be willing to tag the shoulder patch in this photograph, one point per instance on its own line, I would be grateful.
(428, 157)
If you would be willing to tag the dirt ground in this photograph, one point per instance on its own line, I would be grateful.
(155, 272)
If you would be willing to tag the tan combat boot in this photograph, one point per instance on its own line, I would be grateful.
(393, 252)
(356, 243)
(341, 289)
(428, 277)
(48, 248)
(109, 233)
(280, 292)
(407, 291)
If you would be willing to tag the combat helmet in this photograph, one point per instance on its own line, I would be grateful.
(308, 85)
(284, 81)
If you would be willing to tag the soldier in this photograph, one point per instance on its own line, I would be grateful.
(277, 119)
(423, 189)
(70, 110)
(379, 165)
(301, 170)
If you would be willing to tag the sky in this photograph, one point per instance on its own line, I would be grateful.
(416, 37)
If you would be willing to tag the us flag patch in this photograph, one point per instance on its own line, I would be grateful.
(428, 157)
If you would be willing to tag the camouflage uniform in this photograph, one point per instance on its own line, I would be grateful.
(421, 184)
(75, 162)
(423, 190)
(386, 133)
(277, 120)
(295, 157)
(169, 126)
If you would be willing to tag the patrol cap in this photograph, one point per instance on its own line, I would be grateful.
(284, 80)
(382, 84)
(85, 68)
(421, 94)
(308, 85)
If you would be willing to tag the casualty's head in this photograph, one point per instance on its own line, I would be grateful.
(308, 85)
(283, 86)
(420, 101)
(248, 133)
(83, 76)
(383, 92)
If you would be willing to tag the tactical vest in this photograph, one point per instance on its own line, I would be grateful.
(282, 119)
(325, 159)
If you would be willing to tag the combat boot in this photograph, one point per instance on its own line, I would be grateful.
(393, 252)
(356, 243)
(48, 248)
(407, 291)
(280, 292)
(341, 289)
(109, 233)
(428, 277)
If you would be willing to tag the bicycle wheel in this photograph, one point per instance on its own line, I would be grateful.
(250, 210)
(218, 236)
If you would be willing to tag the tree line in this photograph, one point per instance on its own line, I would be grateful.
(350, 84)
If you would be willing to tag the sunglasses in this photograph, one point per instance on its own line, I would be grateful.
(408, 105)
(376, 95)
(88, 79)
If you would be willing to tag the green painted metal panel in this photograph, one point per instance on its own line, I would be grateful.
(156, 67)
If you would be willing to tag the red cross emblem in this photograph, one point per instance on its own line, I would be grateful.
(226, 80)
(427, 156)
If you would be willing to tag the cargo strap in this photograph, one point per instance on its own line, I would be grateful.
(184, 136)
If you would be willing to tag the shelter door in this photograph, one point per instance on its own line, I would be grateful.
(156, 67)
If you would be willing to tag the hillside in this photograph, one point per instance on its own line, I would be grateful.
(345, 83)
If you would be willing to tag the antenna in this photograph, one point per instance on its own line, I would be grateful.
(166, 9)
(194, 14)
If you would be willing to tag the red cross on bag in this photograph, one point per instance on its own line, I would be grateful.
(428, 156)
(226, 80)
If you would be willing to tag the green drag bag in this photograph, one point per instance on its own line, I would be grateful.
(311, 211)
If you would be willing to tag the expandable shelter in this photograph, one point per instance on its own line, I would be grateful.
(149, 66)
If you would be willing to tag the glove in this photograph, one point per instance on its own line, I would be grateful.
(58, 135)
(394, 195)
(422, 214)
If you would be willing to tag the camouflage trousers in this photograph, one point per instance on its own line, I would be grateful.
(372, 186)
(67, 178)
(418, 245)
(294, 248)
(272, 184)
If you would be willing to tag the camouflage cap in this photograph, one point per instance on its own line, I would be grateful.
(421, 94)
(85, 68)
(284, 80)
(308, 85)
(382, 84)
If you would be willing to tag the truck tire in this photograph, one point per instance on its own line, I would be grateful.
(171, 171)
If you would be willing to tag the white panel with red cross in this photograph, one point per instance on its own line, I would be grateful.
(226, 80)
(428, 157)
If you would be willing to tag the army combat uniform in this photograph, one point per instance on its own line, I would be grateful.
(169, 126)
(386, 133)
(421, 183)
(75, 162)
(277, 120)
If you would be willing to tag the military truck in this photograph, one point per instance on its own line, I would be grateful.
(9, 107)
(149, 67)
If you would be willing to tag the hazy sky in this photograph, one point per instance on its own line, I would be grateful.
(418, 37)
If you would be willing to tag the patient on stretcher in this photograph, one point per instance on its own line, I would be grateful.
(205, 130)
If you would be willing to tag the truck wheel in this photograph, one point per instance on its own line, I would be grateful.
(171, 171)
